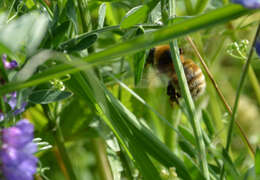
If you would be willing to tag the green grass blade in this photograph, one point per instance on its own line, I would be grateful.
(257, 162)
(147, 40)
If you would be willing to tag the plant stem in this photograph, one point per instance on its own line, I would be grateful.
(141, 42)
(254, 82)
(188, 6)
(47, 8)
(192, 114)
(227, 106)
(170, 138)
(2, 104)
(58, 137)
(240, 85)
(200, 6)
(185, 92)
(11, 8)
(162, 119)
(82, 16)
(3, 108)
(102, 161)
(164, 11)
(119, 94)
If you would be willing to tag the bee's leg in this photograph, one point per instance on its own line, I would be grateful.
(172, 93)
(181, 51)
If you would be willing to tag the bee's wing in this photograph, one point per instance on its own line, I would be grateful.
(152, 79)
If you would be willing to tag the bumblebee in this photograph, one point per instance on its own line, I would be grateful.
(160, 58)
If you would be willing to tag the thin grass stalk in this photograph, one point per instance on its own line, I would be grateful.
(254, 82)
(104, 169)
(240, 85)
(119, 93)
(3, 108)
(99, 151)
(59, 140)
(2, 104)
(47, 8)
(214, 17)
(200, 6)
(164, 11)
(192, 114)
(185, 92)
(58, 136)
(60, 162)
(188, 6)
(223, 100)
(11, 8)
(82, 16)
(238, 93)
(170, 137)
(142, 101)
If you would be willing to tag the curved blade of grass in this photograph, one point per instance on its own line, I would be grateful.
(150, 143)
(127, 128)
(134, 16)
(147, 40)
(122, 118)
(164, 120)
(118, 124)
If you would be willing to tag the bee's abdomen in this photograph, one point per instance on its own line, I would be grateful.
(195, 78)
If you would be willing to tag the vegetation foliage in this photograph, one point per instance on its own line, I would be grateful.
(100, 112)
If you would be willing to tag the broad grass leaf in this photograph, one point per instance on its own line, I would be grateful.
(135, 16)
(46, 96)
(147, 40)
(59, 33)
(79, 44)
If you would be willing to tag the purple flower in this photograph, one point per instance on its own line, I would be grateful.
(11, 100)
(9, 65)
(21, 109)
(251, 4)
(16, 154)
(257, 46)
